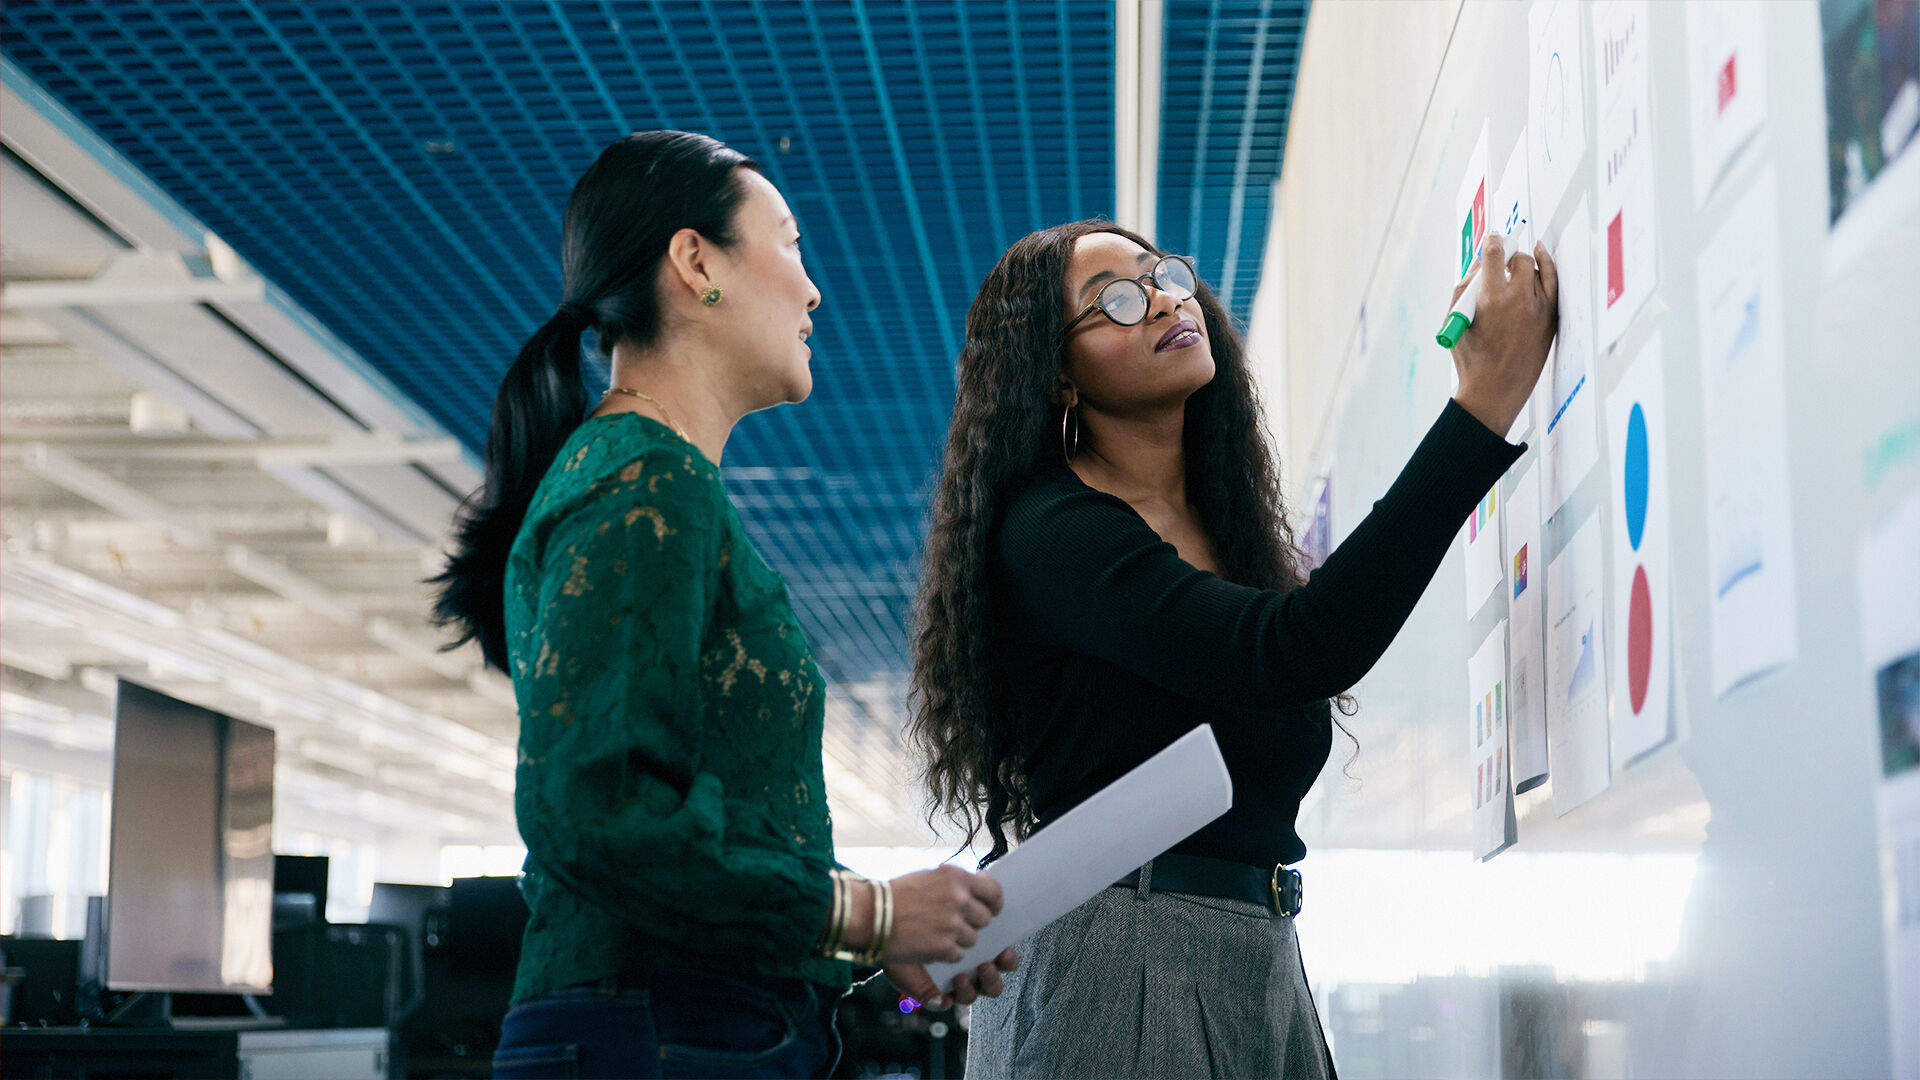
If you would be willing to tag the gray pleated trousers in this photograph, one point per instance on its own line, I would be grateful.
(1138, 983)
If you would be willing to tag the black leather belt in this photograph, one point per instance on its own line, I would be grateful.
(1277, 889)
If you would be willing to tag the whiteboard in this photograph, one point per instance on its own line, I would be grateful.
(1720, 909)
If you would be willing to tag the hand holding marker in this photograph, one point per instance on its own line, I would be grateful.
(1461, 316)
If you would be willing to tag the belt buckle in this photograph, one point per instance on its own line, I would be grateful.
(1285, 887)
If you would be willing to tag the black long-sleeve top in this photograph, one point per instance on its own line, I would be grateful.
(1113, 646)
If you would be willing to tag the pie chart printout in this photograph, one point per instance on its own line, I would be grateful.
(1641, 667)
(1633, 472)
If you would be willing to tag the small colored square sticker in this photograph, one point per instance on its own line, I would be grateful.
(1616, 261)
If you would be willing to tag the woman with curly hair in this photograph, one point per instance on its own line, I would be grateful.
(1109, 566)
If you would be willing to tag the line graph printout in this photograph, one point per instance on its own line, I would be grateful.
(1510, 213)
(1569, 413)
(1750, 571)
(1556, 103)
(1577, 671)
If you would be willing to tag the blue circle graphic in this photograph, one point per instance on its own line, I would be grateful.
(1635, 468)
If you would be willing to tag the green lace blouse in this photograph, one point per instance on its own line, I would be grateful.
(669, 786)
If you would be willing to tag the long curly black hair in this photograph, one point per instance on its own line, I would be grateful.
(1005, 425)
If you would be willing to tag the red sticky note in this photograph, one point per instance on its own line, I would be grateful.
(1616, 261)
(1727, 86)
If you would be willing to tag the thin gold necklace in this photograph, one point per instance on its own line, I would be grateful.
(677, 429)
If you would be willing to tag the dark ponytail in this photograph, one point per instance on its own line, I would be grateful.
(621, 217)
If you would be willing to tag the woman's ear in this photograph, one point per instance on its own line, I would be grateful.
(688, 259)
(1065, 393)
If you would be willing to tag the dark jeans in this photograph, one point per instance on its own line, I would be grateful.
(672, 1023)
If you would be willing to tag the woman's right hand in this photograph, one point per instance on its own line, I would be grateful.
(938, 914)
(1500, 356)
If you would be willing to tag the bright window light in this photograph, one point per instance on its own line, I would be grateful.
(1389, 917)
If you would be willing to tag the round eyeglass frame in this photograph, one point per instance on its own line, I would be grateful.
(1139, 286)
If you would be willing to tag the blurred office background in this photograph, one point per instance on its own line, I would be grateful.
(262, 263)
(265, 262)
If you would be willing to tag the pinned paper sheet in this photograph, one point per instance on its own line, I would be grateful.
(1494, 827)
(1470, 207)
(1571, 448)
(1481, 539)
(1642, 666)
(1526, 640)
(1556, 136)
(1889, 597)
(1161, 802)
(1317, 539)
(1577, 672)
(1509, 215)
(1873, 126)
(1623, 164)
(1750, 571)
(1726, 85)
(1469, 220)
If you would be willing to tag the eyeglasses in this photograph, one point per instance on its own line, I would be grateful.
(1124, 300)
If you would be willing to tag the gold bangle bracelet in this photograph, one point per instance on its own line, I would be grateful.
(882, 922)
(839, 949)
(837, 916)
(845, 922)
(882, 926)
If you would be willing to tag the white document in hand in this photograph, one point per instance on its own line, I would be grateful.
(1164, 800)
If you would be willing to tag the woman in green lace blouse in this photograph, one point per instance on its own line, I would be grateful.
(687, 915)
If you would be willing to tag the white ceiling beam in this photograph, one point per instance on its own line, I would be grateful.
(283, 689)
(233, 389)
(64, 150)
(277, 577)
(45, 664)
(108, 493)
(493, 686)
(103, 293)
(385, 518)
(420, 650)
(111, 346)
(375, 449)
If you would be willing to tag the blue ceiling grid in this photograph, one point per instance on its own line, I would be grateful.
(400, 170)
(1227, 85)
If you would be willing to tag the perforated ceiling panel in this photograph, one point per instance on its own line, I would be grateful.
(1228, 79)
(400, 169)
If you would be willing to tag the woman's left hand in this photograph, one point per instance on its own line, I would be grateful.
(913, 980)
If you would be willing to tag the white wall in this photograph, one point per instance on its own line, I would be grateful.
(1733, 926)
(1366, 72)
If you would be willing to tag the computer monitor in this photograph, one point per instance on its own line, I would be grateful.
(409, 906)
(299, 890)
(190, 859)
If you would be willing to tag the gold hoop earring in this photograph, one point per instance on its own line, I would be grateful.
(711, 296)
(1069, 449)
